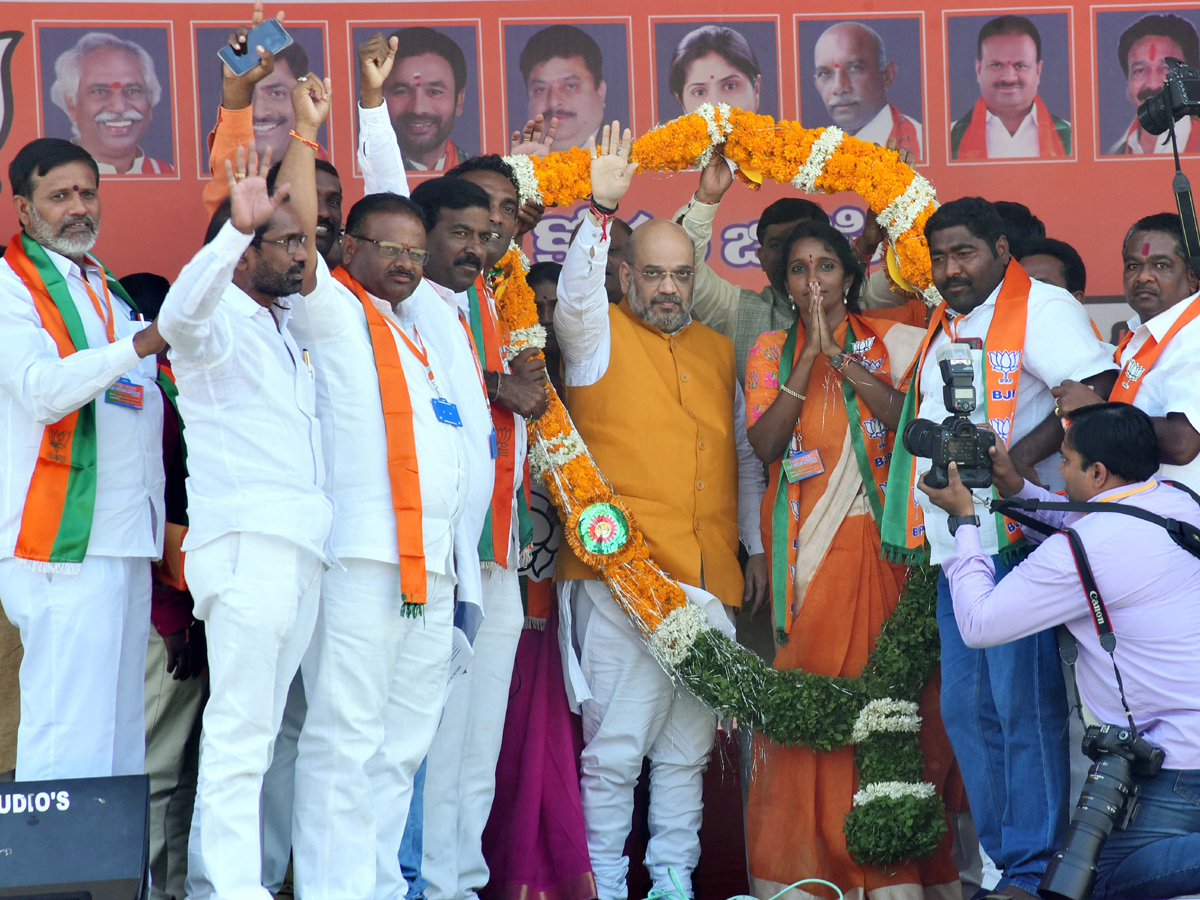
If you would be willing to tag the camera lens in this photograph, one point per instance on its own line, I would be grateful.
(1071, 874)
(922, 438)
(1156, 115)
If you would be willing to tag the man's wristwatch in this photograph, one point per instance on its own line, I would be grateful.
(955, 521)
(839, 361)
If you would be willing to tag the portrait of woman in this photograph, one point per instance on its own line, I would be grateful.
(715, 64)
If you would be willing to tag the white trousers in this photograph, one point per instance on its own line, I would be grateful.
(83, 676)
(375, 680)
(257, 595)
(636, 712)
(460, 781)
(279, 789)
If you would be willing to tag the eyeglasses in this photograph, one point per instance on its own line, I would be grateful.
(655, 275)
(390, 250)
(291, 243)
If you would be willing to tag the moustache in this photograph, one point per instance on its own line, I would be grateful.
(469, 259)
(560, 113)
(1146, 93)
(92, 224)
(417, 119)
(954, 282)
(845, 100)
(330, 225)
(130, 115)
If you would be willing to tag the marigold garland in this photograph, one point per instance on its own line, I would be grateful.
(896, 815)
(899, 198)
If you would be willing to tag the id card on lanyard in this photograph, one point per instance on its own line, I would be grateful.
(443, 410)
(799, 464)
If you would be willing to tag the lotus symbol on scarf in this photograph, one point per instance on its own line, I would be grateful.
(1133, 372)
(1002, 427)
(875, 430)
(1005, 362)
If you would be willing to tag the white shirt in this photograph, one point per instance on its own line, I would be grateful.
(1022, 145)
(585, 339)
(248, 401)
(1131, 142)
(1172, 384)
(40, 388)
(331, 323)
(1059, 344)
(879, 129)
(142, 165)
(382, 165)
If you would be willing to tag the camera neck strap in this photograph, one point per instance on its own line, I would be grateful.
(1108, 640)
(1184, 534)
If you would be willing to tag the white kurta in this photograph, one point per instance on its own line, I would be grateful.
(258, 539)
(374, 677)
(84, 633)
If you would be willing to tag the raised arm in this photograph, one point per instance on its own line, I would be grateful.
(715, 301)
(310, 101)
(185, 319)
(379, 154)
(581, 315)
(235, 118)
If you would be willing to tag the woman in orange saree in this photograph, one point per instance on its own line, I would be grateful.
(822, 405)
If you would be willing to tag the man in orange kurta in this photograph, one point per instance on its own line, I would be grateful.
(655, 396)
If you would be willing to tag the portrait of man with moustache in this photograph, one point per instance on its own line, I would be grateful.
(273, 116)
(1010, 119)
(427, 96)
(108, 87)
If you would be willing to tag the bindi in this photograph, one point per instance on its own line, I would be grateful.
(1146, 249)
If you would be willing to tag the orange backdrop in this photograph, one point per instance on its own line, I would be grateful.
(157, 223)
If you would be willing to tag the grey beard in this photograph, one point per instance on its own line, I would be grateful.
(666, 323)
(68, 245)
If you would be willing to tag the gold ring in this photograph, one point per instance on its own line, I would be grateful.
(1057, 411)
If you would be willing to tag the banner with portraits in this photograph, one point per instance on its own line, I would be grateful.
(1032, 104)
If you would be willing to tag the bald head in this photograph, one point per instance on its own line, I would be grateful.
(852, 73)
(658, 275)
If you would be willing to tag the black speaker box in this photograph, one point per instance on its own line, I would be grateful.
(75, 839)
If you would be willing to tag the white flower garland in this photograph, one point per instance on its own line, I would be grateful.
(673, 638)
(893, 790)
(527, 182)
(903, 211)
(542, 459)
(886, 715)
(520, 338)
(717, 131)
(823, 148)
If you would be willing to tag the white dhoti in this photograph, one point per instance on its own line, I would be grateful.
(461, 777)
(83, 677)
(375, 681)
(634, 712)
(257, 595)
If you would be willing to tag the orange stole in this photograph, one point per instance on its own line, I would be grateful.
(401, 444)
(974, 140)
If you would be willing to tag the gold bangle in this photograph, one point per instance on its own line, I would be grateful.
(787, 390)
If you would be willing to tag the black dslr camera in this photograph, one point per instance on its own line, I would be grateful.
(1179, 97)
(1109, 800)
(957, 439)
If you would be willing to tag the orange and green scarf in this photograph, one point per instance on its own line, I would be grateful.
(870, 438)
(1141, 362)
(401, 448)
(487, 335)
(56, 524)
(903, 531)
